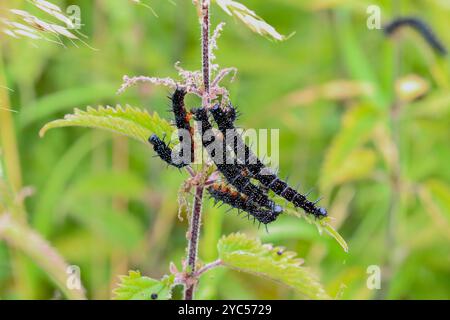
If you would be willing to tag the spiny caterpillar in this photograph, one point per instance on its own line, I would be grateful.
(182, 119)
(241, 202)
(257, 169)
(233, 173)
(182, 122)
(244, 167)
(421, 27)
(164, 152)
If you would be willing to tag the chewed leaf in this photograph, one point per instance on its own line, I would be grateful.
(128, 121)
(250, 19)
(239, 252)
(322, 225)
(136, 287)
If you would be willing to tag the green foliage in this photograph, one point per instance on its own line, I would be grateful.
(29, 242)
(250, 19)
(118, 228)
(322, 225)
(136, 287)
(440, 192)
(344, 154)
(352, 162)
(51, 104)
(239, 252)
(129, 121)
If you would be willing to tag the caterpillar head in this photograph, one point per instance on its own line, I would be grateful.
(154, 139)
(224, 118)
(200, 114)
(277, 210)
(266, 217)
(320, 213)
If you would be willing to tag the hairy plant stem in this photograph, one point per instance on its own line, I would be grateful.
(205, 49)
(208, 267)
(194, 235)
(195, 223)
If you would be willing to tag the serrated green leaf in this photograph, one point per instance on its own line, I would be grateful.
(357, 126)
(129, 121)
(239, 252)
(136, 287)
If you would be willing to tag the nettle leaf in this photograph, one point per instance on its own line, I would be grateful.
(250, 19)
(136, 287)
(241, 253)
(129, 121)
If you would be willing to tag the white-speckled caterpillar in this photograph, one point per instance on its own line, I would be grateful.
(258, 171)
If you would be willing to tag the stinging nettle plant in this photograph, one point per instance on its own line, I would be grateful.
(236, 251)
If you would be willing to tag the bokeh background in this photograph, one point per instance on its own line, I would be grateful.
(364, 119)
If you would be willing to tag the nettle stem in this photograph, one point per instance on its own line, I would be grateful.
(194, 235)
(205, 48)
(195, 223)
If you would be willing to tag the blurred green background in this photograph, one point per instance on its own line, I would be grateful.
(379, 155)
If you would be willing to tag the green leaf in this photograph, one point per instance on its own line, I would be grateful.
(332, 232)
(44, 216)
(136, 287)
(239, 252)
(128, 121)
(357, 127)
(31, 243)
(356, 60)
(322, 225)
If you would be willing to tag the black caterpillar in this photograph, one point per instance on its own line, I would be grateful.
(234, 173)
(223, 193)
(421, 27)
(164, 152)
(258, 171)
(182, 120)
